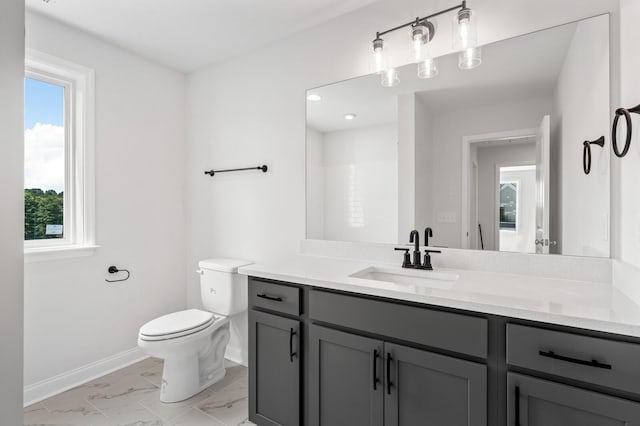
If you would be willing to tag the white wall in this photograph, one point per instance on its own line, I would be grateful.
(407, 173)
(449, 128)
(489, 158)
(12, 212)
(72, 316)
(425, 181)
(361, 184)
(581, 112)
(315, 185)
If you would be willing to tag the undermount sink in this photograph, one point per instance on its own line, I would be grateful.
(412, 277)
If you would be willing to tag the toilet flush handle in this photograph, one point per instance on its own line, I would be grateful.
(199, 271)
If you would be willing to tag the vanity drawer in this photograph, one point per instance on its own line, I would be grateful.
(438, 329)
(275, 297)
(571, 355)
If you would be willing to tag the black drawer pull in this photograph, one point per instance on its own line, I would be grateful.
(592, 363)
(291, 352)
(517, 413)
(376, 380)
(389, 383)
(266, 296)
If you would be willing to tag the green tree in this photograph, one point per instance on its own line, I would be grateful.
(42, 208)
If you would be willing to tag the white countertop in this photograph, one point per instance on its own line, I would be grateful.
(587, 305)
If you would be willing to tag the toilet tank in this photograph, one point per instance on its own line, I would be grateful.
(222, 289)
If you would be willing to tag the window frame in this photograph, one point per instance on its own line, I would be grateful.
(79, 199)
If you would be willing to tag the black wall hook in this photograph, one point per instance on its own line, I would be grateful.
(114, 270)
(627, 116)
(586, 153)
(264, 169)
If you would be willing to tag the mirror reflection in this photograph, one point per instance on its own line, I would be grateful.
(489, 158)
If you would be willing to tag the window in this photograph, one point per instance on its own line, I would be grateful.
(58, 150)
(508, 205)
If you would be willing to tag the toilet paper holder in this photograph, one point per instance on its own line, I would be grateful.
(114, 270)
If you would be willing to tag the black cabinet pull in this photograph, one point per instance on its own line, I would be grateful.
(592, 363)
(389, 384)
(291, 352)
(517, 413)
(266, 296)
(376, 380)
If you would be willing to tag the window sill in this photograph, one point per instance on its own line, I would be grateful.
(44, 254)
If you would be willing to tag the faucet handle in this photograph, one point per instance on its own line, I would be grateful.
(406, 261)
(427, 259)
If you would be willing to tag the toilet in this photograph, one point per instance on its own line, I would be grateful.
(193, 342)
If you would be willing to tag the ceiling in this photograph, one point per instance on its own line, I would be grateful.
(513, 69)
(190, 34)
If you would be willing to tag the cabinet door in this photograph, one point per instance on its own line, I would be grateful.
(423, 388)
(274, 370)
(345, 384)
(536, 402)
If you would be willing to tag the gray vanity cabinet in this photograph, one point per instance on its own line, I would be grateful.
(274, 363)
(357, 380)
(537, 402)
(345, 379)
(424, 388)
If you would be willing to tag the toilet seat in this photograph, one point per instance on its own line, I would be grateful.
(177, 324)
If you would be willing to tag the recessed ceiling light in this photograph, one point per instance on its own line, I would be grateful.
(313, 97)
(350, 116)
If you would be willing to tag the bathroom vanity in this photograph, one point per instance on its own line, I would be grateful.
(324, 351)
(483, 160)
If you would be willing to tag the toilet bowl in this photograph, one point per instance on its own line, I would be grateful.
(192, 342)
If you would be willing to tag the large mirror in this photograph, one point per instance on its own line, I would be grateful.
(489, 158)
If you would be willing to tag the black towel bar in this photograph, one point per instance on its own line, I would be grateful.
(264, 169)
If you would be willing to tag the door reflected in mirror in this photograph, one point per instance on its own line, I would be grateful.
(489, 158)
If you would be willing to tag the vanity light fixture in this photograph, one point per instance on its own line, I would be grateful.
(422, 31)
(465, 39)
(350, 116)
(314, 97)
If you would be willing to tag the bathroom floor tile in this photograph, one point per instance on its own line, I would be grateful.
(169, 411)
(195, 417)
(133, 415)
(124, 392)
(71, 413)
(229, 405)
(131, 397)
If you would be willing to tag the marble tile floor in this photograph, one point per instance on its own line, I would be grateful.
(130, 397)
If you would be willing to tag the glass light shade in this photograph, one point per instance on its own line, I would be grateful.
(390, 77)
(465, 33)
(470, 58)
(419, 44)
(379, 58)
(428, 68)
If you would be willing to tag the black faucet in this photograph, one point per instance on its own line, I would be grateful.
(428, 232)
(427, 259)
(414, 237)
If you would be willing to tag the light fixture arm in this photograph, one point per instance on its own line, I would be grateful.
(418, 20)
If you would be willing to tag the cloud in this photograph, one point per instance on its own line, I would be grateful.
(44, 157)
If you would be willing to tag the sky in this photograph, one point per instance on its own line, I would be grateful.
(44, 135)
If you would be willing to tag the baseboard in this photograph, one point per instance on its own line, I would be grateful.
(70, 379)
(236, 355)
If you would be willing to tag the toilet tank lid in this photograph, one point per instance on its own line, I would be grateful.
(223, 265)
